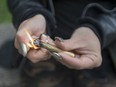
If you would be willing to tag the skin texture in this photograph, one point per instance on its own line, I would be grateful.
(35, 26)
(83, 42)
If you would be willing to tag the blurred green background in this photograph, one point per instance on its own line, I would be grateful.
(5, 16)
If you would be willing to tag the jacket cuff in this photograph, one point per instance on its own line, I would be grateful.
(48, 16)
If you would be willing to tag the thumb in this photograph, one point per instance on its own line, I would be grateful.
(20, 42)
(66, 45)
(22, 36)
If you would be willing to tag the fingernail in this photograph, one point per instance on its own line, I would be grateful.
(45, 36)
(23, 49)
(59, 39)
(57, 56)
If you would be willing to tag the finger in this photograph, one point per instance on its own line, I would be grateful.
(18, 45)
(38, 55)
(22, 36)
(20, 42)
(82, 62)
(64, 44)
(47, 39)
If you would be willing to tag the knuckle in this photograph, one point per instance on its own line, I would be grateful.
(99, 61)
(35, 56)
(19, 36)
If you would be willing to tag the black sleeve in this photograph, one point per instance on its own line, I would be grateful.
(102, 21)
(24, 9)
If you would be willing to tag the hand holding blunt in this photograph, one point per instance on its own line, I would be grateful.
(51, 48)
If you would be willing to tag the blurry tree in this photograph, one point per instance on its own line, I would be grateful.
(5, 16)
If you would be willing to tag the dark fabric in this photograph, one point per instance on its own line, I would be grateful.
(24, 9)
(48, 74)
(112, 51)
(103, 20)
(99, 15)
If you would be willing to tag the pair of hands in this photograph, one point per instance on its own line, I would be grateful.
(83, 42)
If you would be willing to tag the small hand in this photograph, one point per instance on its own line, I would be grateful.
(35, 26)
(85, 44)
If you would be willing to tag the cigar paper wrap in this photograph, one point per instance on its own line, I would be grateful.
(52, 48)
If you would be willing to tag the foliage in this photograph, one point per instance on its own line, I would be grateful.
(5, 15)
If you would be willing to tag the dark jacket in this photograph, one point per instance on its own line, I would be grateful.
(100, 15)
(61, 15)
